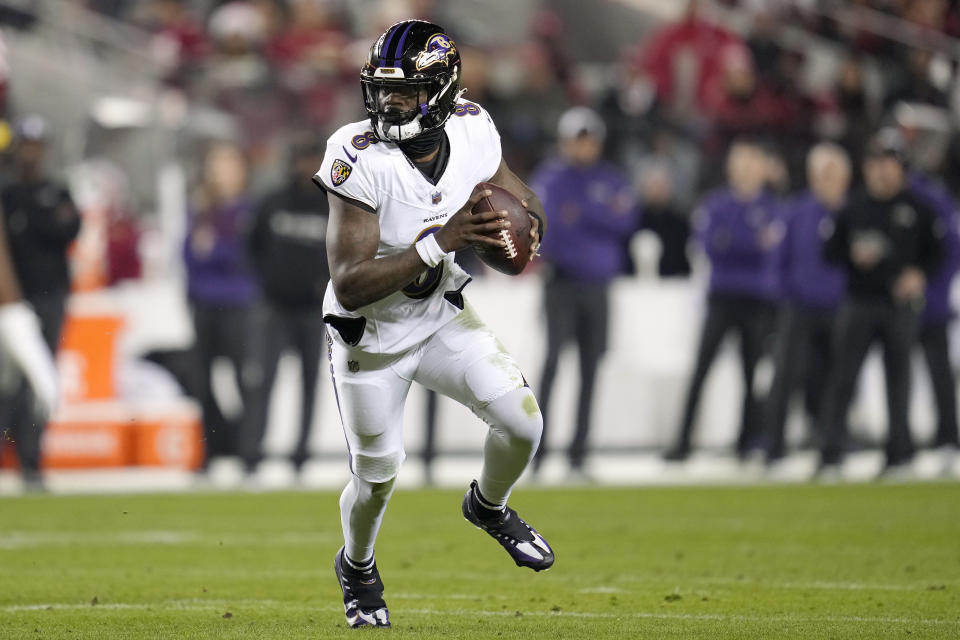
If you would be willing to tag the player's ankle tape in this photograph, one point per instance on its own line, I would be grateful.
(430, 251)
(486, 505)
(359, 566)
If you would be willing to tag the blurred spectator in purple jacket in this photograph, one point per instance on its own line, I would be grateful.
(811, 291)
(593, 213)
(220, 285)
(937, 314)
(739, 229)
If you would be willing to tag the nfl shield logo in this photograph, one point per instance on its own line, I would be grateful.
(435, 198)
(353, 366)
(339, 172)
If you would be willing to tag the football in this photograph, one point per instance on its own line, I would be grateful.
(513, 258)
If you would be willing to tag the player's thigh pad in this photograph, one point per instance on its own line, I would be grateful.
(370, 396)
(465, 361)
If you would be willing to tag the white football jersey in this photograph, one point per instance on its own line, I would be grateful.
(408, 207)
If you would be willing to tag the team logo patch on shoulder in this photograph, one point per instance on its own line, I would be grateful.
(339, 172)
(438, 51)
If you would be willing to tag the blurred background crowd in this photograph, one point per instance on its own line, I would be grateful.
(186, 132)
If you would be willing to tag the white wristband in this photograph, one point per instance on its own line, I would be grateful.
(430, 251)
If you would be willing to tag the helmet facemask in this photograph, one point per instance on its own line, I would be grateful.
(403, 108)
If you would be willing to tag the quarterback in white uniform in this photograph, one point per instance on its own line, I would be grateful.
(401, 187)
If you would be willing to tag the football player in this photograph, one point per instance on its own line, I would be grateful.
(402, 186)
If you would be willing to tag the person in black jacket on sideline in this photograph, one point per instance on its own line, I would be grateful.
(889, 242)
(40, 221)
(287, 244)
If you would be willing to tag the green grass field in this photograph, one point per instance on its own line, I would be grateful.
(863, 561)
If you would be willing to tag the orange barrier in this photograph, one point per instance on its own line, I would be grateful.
(87, 357)
(169, 441)
(87, 445)
(95, 430)
(103, 438)
(8, 458)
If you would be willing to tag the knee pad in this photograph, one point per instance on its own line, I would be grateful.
(516, 414)
(377, 468)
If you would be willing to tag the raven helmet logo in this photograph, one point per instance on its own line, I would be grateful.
(439, 49)
(339, 172)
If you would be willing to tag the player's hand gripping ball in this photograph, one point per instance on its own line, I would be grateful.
(512, 258)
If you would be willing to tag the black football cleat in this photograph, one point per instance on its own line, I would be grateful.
(522, 542)
(362, 594)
